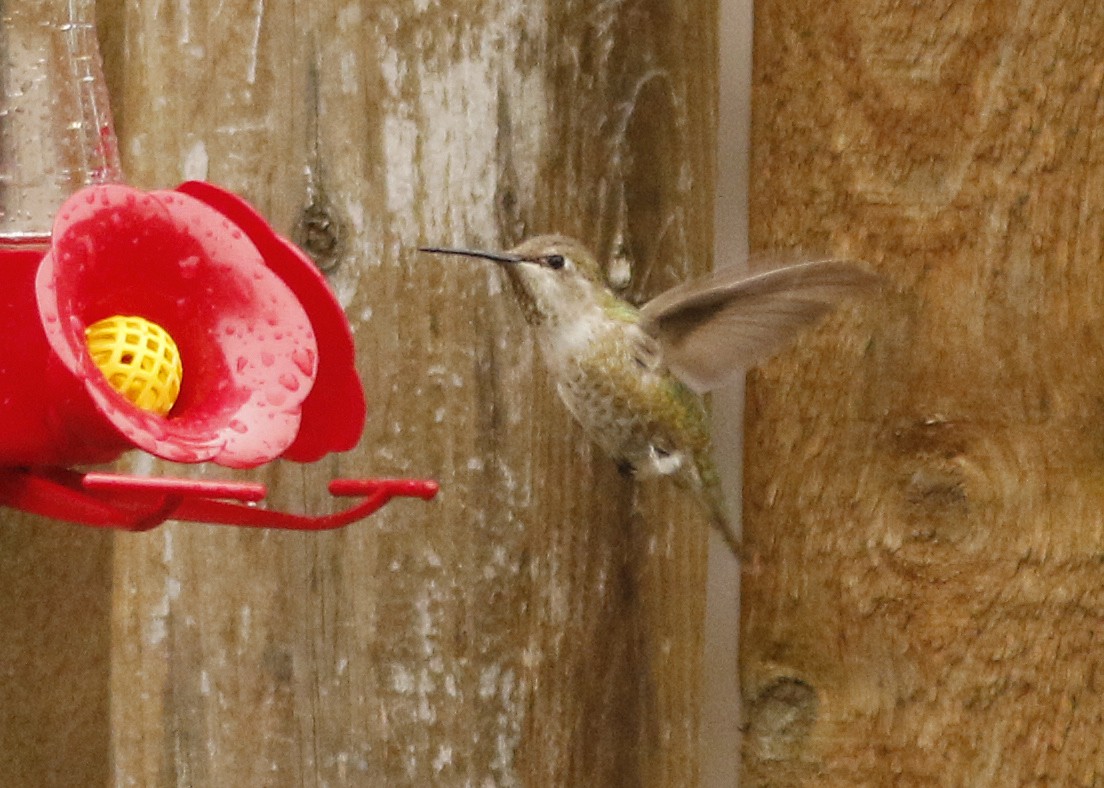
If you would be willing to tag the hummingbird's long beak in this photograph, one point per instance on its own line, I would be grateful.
(498, 257)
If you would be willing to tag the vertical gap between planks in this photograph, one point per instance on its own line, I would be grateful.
(720, 746)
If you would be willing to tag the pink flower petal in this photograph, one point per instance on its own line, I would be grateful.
(333, 414)
(176, 261)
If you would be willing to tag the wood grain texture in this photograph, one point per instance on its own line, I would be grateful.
(55, 582)
(923, 601)
(540, 623)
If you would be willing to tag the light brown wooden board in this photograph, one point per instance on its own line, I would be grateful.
(55, 582)
(923, 598)
(540, 623)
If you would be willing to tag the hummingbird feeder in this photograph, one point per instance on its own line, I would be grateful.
(176, 322)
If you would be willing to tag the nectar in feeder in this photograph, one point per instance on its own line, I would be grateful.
(139, 359)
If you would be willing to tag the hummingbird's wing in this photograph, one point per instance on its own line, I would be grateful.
(712, 329)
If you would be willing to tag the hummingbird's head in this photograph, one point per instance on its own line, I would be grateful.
(554, 276)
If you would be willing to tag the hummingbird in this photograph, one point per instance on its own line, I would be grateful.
(633, 376)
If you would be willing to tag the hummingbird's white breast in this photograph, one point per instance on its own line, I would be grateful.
(609, 390)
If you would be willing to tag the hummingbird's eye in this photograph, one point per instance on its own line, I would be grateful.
(555, 261)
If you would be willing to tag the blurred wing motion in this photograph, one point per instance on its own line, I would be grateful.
(712, 329)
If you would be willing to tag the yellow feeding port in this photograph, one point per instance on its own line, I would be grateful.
(139, 360)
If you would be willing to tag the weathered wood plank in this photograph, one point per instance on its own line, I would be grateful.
(538, 624)
(55, 580)
(923, 601)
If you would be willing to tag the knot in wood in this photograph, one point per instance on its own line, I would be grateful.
(781, 717)
(320, 232)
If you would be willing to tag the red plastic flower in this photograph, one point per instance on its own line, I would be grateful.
(219, 304)
(267, 353)
(333, 414)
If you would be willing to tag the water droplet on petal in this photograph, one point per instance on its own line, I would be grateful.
(189, 265)
(239, 426)
(304, 359)
(155, 428)
(243, 362)
(289, 381)
(268, 359)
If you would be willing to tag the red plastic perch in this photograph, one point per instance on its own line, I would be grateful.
(138, 503)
